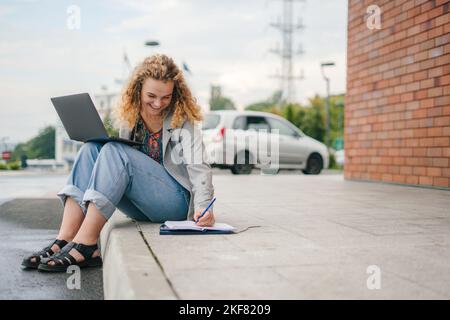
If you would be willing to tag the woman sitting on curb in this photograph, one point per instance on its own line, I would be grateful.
(152, 182)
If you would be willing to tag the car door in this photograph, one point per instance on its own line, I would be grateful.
(257, 132)
(290, 142)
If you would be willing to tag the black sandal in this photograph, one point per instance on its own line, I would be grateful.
(62, 259)
(47, 252)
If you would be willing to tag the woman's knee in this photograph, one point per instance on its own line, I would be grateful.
(91, 148)
(112, 149)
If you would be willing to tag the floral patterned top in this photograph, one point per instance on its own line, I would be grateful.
(152, 141)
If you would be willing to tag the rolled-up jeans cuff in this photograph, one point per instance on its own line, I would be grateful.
(101, 202)
(72, 191)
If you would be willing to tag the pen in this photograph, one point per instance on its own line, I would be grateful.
(204, 211)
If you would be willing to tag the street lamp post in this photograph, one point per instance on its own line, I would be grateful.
(327, 80)
(152, 43)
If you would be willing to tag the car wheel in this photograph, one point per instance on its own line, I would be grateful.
(242, 168)
(314, 164)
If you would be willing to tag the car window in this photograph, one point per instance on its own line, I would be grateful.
(257, 123)
(240, 123)
(284, 128)
(210, 121)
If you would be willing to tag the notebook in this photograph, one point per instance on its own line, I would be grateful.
(189, 227)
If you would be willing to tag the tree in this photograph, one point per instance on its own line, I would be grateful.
(221, 103)
(40, 147)
(19, 151)
(311, 118)
(314, 121)
(266, 105)
(109, 126)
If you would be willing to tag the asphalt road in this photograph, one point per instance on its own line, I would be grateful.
(28, 225)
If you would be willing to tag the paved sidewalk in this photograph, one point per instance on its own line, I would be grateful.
(318, 236)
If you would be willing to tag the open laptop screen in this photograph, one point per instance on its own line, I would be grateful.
(79, 117)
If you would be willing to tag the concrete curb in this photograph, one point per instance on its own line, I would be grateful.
(129, 269)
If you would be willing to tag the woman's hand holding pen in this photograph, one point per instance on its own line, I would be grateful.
(207, 220)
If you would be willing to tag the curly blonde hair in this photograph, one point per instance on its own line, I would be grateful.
(158, 67)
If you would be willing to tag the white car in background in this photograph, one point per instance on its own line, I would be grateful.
(226, 135)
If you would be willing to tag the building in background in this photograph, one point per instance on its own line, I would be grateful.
(397, 110)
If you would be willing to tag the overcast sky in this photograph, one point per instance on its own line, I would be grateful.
(224, 43)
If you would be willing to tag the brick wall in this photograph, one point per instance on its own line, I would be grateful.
(397, 110)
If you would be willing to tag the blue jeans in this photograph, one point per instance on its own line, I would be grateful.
(116, 175)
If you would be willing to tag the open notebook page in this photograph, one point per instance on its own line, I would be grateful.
(190, 225)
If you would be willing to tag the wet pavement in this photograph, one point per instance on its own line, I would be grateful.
(30, 215)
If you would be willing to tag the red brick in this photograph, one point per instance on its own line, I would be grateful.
(421, 75)
(426, 84)
(405, 170)
(425, 180)
(434, 132)
(398, 94)
(446, 131)
(440, 162)
(434, 152)
(434, 112)
(446, 152)
(444, 80)
(442, 19)
(441, 142)
(412, 180)
(442, 121)
(427, 103)
(446, 111)
(435, 92)
(442, 101)
(441, 182)
(434, 172)
(421, 94)
(435, 72)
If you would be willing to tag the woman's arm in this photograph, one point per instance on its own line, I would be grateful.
(199, 171)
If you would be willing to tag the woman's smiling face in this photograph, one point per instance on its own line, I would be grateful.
(156, 96)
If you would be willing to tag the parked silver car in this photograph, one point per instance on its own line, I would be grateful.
(228, 137)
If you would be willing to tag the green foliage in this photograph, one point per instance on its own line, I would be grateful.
(18, 152)
(333, 163)
(311, 119)
(3, 166)
(314, 122)
(221, 103)
(14, 165)
(40, 147)
(109, 126)
(267, 105)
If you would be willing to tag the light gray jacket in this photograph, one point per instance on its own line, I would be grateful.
(184, 159)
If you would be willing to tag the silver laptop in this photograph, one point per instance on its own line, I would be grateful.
(82, 121)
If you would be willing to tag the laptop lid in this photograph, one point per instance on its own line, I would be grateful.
(79, 116)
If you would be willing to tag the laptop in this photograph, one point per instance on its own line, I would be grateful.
(82, 121)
